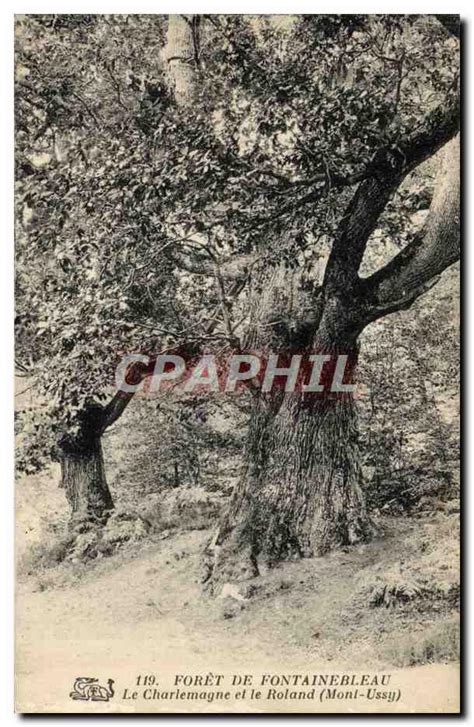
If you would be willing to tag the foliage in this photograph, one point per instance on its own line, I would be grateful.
(175, 445)
(410, 406)
(114, 178)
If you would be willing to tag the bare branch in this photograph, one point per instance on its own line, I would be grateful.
(235, 268)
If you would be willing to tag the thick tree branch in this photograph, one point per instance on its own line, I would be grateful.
(387, 170)
(355, 228)
(115, 408)
(441, 126)
(409, 274)
(383, 309)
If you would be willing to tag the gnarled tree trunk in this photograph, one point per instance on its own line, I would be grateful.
(83, 472)
(83, 478)
(301, 492)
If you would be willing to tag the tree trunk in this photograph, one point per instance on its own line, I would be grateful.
(176, 475)
(301, 490)
(83, 472)
(182, 53)
(300, 494)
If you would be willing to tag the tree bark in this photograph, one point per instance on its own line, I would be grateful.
(414, 269)
(182, 54)
(301, 492)
(83, 472)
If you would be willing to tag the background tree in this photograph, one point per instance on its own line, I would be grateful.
(90, 281)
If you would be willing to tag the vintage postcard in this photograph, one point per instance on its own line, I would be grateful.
(237, 363)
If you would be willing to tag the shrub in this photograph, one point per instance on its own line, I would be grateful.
(438, 643)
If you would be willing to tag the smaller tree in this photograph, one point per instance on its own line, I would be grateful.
(91, 103)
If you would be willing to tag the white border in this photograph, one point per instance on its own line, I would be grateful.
(242, 7)
(8, 9)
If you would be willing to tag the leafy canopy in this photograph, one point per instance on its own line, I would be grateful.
(115, 179)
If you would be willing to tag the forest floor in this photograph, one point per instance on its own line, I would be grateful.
(392, 602)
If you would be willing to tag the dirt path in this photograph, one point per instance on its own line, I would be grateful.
(147, 609)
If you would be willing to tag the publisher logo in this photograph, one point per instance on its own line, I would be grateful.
(88, 689)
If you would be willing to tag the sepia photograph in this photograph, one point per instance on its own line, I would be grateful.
(237, 363)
